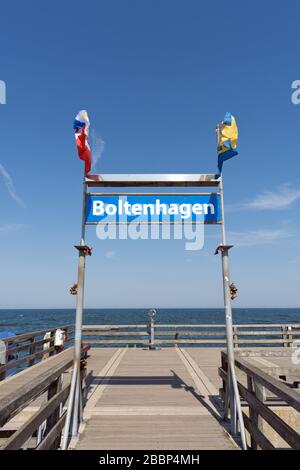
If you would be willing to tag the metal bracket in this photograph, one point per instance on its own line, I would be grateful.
(85, 249)
(221, 248)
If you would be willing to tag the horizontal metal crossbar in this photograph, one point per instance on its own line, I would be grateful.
(152, 179)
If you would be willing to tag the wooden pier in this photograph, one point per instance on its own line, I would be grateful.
(157, 399)
(143, 399)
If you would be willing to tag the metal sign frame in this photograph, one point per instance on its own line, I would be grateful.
(232, 399)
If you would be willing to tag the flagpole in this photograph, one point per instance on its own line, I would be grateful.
(232, 387)
(74, 401)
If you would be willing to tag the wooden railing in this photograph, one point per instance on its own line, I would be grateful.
(260, 391)
(28, 348)
(201, 335)
(46, 424)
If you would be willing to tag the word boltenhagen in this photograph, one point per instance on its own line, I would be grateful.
(125, 208)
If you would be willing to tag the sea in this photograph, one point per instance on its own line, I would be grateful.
(25, 320)
(18, 321)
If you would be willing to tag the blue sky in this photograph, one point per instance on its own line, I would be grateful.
(155, 78)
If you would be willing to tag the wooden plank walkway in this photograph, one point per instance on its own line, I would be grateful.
(157, 399)
(140, 399)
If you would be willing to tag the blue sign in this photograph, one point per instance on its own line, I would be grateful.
(153, 208)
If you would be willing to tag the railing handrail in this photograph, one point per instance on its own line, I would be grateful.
(32, 347)
(46, 423)
(290, 396)
(255, 398)
(23, 395)
(190, 325)
(18, 338)
(283, 334)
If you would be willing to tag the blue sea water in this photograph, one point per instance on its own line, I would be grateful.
(31, 320)
(22, 320)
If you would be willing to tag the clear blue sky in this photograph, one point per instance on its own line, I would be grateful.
(155, 77)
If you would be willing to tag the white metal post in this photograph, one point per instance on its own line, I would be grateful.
(234, 396)
(73, 411)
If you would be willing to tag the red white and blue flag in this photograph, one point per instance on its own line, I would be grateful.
(81, 126)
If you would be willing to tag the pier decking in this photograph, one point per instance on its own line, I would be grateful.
(156, 399)
(143, 399)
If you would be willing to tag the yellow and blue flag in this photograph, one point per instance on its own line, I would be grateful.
(227, 136)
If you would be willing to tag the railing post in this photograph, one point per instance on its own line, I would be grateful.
(259, 391)
(52, 342)
(235, 337)
(67, 335)
(287, 335)
(32, 351)
(284, 335)
(54, 388)
(252, 414)
(290, 336)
